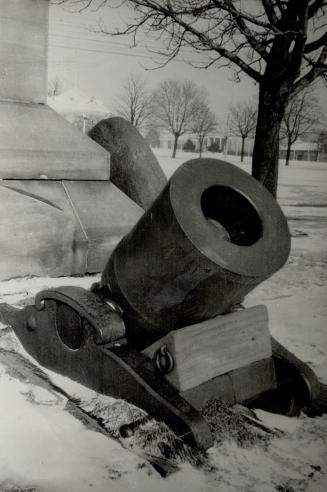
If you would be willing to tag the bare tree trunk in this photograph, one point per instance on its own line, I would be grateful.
(242, 148)
(272, 105)
(288, 152)
(176, 136)
(200, 146)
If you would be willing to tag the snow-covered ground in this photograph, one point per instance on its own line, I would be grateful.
(46, 449)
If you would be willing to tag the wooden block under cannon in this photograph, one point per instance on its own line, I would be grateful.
(214, 347)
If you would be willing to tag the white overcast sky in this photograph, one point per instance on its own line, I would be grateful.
(97, 64)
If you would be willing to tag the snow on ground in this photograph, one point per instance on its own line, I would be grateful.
(44, 448)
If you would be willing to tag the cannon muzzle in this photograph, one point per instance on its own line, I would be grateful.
(212, 235)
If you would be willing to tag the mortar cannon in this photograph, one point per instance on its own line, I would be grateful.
(164, 328)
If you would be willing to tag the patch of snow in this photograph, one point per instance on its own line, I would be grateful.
(45, 447)
(280, 422)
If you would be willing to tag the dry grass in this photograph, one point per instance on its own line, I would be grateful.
(157, 439)
(224, 422)
(228, 424)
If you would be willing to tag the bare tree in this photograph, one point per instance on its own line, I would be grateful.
(175, 106)
(205, 123)
(301, 114)
(242, 122)
(134, 102)
(281, 44)
(322, 144)
(153, 137)
(55, 86)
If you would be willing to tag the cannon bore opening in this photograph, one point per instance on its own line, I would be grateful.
(231, 210)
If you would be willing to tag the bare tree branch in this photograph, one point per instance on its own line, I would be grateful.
(134, 103)
(269, 7)
(176, 107)
(317, 69)
(242, 121)
(204, 124)
(315, 45)
(315, 6)
(301, 114)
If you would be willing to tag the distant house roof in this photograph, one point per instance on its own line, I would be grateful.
(76, 101)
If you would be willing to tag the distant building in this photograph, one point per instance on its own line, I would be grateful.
(79, 109)
(300, 151)
(234, 145)
(215, 141)
(166, 141)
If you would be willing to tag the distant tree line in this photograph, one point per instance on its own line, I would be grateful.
(181, 107)
(177, 106)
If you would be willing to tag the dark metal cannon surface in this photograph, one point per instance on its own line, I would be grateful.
(212, 235)
(164, 328)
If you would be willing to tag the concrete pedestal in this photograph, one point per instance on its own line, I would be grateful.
(59, 212)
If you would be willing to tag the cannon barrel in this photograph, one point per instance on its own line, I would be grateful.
(212, 235)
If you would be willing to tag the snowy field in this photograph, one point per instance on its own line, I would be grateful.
(44, 448)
